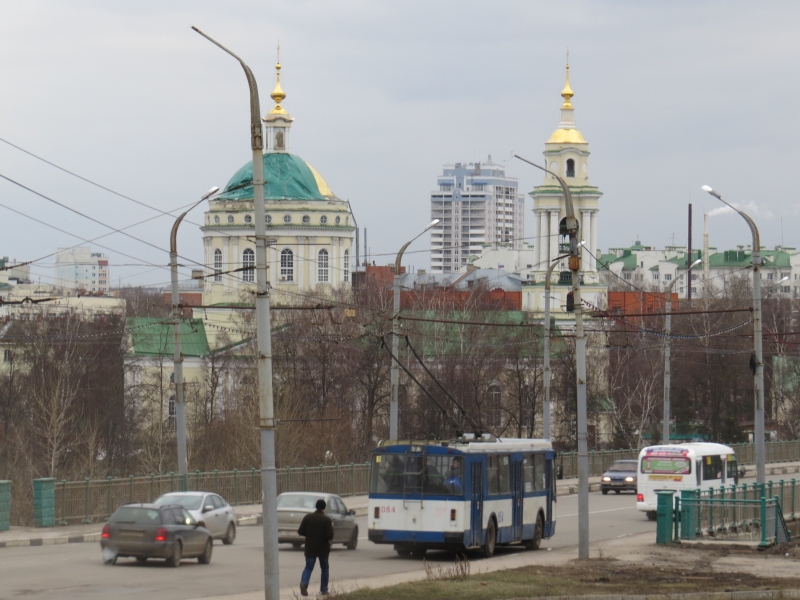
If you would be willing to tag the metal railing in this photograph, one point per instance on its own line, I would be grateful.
(93, 500)
(600, 460)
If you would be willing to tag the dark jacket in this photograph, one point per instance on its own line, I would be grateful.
(317, 528)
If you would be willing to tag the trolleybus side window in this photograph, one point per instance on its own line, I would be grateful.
(416, 473)
(539, 482)
(528, 474)
(492, 476)
(505, 474)
(712, 467)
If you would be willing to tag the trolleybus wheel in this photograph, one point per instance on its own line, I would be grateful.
(419, 552)
(402, 550)
(491, 537)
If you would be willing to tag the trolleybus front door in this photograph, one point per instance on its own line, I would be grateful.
(516, 497)
(476, 523)
(551, 491)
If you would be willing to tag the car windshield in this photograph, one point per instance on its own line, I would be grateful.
(623, 466)
(298, 501)
(135, 514)
(187, 501)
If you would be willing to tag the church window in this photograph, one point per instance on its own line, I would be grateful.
(248, 219)
(248, 262)
(306, 219)
(268, 219)
(323, 220)
(230, 219)
(287, 218)
(216, 220)
(346, 271)
(338, 220)
(287, 265)
(217, 265)
(322, 266)
(570, 168)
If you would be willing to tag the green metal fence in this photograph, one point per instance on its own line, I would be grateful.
(600, 460)
(93, 500)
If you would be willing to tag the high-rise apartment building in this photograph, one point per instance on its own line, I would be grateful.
(81, 269)
(478, 207)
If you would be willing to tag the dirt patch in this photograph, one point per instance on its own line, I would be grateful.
(596, 576)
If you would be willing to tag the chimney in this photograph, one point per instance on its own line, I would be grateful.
(706, 266)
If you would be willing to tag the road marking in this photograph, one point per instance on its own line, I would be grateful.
(599, 511)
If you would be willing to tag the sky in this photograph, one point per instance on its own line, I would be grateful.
(669, 95)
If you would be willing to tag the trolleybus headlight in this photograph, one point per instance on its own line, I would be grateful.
(377, 512)
(640, 497)
(452, 514)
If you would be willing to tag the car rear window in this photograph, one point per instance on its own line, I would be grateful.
(623, 466)
(135, 514)
(297, 501)
(187, 501)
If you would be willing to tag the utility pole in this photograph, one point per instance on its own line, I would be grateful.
(177, 356)
(266, 422)
(580, 364)
(689, 260)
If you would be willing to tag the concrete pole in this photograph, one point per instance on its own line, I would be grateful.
(758, 373)
(580, 364)
(177, 356)
(548, 407)
(269, 487)
(395, 372)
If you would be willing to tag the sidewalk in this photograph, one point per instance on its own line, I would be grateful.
(251, 514)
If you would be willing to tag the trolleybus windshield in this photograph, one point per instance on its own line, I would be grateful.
(411, 474)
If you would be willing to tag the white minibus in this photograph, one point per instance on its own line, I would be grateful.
(682, 467)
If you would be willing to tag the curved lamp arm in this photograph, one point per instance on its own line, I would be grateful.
(408, 243)
(750, 222)
(570, 210)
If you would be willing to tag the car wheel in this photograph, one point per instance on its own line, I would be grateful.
(110, 560)
(177, 551)
(353, 543)
(617, 491)
(418, 552)
(491, 538)
(403, 551)
(604, 490)
(205, 557)
(652, 515)
(141, 559)
(230, 535)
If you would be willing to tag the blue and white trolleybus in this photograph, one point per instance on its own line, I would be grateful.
(468, 493)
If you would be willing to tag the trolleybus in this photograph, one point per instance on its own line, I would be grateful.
(682, 467)
(467, 493)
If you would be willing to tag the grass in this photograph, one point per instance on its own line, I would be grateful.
(598, 576)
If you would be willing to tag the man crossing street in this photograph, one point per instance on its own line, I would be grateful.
(317, 528)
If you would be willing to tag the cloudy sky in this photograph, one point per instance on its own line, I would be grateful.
(669, 95)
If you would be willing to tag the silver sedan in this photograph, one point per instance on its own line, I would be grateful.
(209, 510)
(293, 506)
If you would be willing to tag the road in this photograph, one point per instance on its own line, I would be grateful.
(76, 571)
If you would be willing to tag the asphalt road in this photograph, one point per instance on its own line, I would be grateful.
(76, 570)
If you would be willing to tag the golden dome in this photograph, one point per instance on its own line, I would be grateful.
(566, 136)
(278, 94)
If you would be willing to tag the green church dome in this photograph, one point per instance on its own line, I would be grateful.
(286, 177)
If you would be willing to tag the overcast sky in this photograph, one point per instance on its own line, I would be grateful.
(669, 95)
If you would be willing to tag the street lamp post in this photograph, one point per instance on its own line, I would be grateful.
(395, 373)
(177, 356)
(266, 421)
(668, 329)
(580, 365)
(758, 373)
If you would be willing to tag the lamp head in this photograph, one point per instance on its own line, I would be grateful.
(432, 224)
(707, 188)
(695, 263)
(786, 277)
(210, 193)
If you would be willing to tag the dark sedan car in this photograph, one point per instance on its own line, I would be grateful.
(620, 476)
(152, 531)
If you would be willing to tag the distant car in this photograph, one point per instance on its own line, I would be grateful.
(293, 506)
(209, 510)
(620, 476)
(154, 531)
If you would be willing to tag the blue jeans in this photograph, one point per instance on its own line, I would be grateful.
(323, 565)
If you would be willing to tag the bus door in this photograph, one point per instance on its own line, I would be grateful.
(550, 483)
(476, 523)
(516, 498)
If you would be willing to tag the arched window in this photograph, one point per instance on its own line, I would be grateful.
(287, 265)
(248, 262)
(322, 266)
(570, 168)
(217, 265)
(346, 271)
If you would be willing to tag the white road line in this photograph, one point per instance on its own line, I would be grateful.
(598, 511)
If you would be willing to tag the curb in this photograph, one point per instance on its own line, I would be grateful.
(743, 595)
(51, 541)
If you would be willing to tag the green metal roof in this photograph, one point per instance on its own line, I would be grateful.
(286, 176)
(153, 337)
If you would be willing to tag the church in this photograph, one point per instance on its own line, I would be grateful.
(311, 230)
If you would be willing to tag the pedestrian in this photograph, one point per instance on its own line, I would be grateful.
(317, 528)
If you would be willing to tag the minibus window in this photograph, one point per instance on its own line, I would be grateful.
(712, 467)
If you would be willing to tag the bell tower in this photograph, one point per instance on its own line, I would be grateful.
(278, 122)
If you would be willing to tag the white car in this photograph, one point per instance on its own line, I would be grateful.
(209, 510)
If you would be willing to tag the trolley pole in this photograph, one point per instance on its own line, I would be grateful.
(269, 487)
(572, 227)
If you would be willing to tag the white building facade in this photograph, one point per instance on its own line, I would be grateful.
(478, 207)
(79, 268)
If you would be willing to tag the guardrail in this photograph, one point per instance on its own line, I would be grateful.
(600, 460)
(93, 500)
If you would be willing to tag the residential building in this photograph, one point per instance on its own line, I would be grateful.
(79, 268)
(478, 206)
(311, 230)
